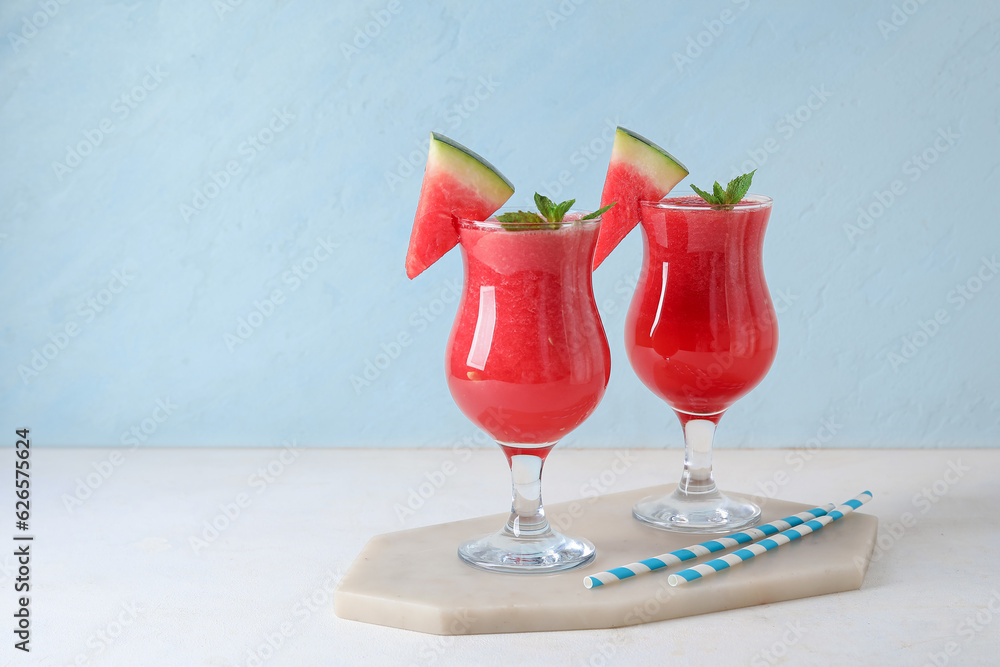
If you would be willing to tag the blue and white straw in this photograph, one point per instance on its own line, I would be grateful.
(784, 537)
(665, 560)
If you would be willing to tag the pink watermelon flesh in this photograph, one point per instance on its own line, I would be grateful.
(457, 184)
(628, 186)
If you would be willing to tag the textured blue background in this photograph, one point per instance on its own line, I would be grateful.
(170, 169)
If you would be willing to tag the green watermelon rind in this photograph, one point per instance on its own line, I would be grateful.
(470, 168)
(457, 183)
(639, 170)
(654, 162)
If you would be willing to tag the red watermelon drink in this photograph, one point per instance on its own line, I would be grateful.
(527, 362)
(701, 332)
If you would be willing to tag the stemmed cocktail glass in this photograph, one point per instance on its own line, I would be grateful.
(527, 362)
(701, 332)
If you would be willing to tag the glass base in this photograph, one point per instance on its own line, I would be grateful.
(537, 554)
(712, 512)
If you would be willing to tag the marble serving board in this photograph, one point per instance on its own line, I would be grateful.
(414, 579)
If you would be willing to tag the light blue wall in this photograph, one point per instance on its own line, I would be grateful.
(165, 96)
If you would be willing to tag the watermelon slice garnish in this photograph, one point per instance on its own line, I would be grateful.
(639, 171)
(457, 184)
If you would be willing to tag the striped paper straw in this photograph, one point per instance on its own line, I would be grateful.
(784, 537)
(664, 560)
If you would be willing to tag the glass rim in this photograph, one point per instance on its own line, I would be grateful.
(492, 223)
(758, 201)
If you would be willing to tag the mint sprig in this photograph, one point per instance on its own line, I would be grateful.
(726, 199)
(519, 221)
(516, 221)
(551, 211)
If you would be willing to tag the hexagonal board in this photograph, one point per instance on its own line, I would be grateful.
(414, 579)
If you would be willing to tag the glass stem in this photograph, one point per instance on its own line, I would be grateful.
(527, 516)
(699, 435)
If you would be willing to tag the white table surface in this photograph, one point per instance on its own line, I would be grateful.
(117, 580)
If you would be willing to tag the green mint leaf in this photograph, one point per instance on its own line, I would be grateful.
(732, 195)
(600, 211)
(516, 221)
(560, 211)
(720, 194)
(738, 187)
(704, 195)
(520, 217)
(546, 206)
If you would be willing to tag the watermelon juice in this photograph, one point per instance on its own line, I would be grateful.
(528, 360)
(701, 330)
